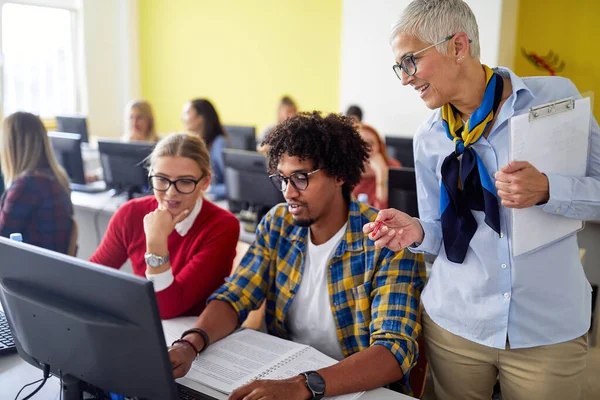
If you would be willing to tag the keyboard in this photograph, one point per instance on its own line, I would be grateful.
(7, 343)
(185, 393)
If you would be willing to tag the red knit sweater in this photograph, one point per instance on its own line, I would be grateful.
(201, 260)
(369, 186)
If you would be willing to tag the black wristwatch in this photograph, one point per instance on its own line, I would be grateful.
(315, 383)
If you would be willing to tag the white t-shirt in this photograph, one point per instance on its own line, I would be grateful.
(309, 318)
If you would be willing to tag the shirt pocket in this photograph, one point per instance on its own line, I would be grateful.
(362, 305)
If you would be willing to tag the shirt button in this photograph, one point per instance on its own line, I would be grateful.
(503, 266)
(507, 296)
(501, 234)
(558, 209)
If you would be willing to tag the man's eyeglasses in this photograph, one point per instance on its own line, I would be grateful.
(183, 186)
(408, 64)
(299, 180)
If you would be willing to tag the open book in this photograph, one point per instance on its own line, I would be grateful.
(247, 355)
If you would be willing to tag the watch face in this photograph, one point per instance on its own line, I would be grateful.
(155, 261)
(316, 382)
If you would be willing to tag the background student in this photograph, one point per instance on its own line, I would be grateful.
(286, 109)
(374, 181)
(37, 200)
(355, 112)
(201, 119)
(139, 120)
(183, 243)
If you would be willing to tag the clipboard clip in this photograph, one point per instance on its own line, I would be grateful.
(551, 108)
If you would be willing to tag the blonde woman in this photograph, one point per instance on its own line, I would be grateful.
(139, 120)
(180, 241)
(37, 200)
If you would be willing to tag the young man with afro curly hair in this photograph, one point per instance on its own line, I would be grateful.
(324, 282)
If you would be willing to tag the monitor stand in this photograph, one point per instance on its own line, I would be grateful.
(73, 388)
(76, 389)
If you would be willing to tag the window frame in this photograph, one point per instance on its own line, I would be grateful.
(76, 9)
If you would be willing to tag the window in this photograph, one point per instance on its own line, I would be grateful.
(39, 46)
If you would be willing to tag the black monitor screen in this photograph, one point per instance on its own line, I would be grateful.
(90, 324)
(73, 125)
(402, 191)
(401, 149)
(248, 182)
(241, 137)
(67, 150)
(123, 165)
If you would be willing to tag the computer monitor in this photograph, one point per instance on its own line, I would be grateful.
(73, 125)
(241, 137)
(94, 326)
(401, 148)
(248, 184)
(123, 165)
(67, 150)
(402, 190)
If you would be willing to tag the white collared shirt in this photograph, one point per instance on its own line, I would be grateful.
(184, 226)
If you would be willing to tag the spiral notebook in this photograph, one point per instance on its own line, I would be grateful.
(247, 355)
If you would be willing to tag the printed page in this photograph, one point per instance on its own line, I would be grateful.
(307, 360)
(554, 144)
(239, 358)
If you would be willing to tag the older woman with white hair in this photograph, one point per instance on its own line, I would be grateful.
(488, 314)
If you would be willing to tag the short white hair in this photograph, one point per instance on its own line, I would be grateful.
(434, 20)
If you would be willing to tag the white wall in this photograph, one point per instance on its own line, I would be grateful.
(111, 63)
(508, 33)
(366, 76)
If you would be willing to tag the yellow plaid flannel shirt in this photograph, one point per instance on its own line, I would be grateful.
(374, 293)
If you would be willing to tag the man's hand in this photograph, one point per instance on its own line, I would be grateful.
(287, 389)
(181, 355)
(521, 185)
(398, 231)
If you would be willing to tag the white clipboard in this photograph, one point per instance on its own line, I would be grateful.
(554, 138)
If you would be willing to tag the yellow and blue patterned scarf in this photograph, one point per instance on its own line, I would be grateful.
(466, 184)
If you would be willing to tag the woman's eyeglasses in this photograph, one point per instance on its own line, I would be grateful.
(408, 64)
(183, 185)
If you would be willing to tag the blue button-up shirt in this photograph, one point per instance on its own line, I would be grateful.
(534, 299)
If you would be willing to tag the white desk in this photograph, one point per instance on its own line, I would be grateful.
(14, 373)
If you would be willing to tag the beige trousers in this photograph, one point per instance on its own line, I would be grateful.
(464, 370)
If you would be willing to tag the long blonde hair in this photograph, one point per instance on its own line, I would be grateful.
(26, 148)
(146, 110)
(182, 145)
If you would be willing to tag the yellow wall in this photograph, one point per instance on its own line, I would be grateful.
(242, 55)
(572, 30)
